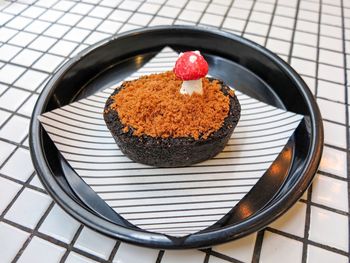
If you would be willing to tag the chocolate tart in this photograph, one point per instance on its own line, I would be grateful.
(171, 152)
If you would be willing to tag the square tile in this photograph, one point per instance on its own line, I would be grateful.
(33, 11)
(217, 9)
(196, 5)
(7, 52)
(70, 19)
(333, 161)
(149, 8)
(20, 172)
(95, 243)
(81, 8)
(26, 57)
(331, 91)
(109, 26)
(4, 115)
(257, 39)
(331, 20)
(19, 22)
(304, 67)
(129, 5)
(330, 192)
(140, 19)
(22, 39)
(334, 226)
(281, 33)
(233, 23)
(120, 15)
(63, 48)
(177, 3)
(331, 9)
(15, 129)
(331, 31)
(265, 7)
(48, 63)
(332, 110)
(239, 13)
(303, 51)
(28, 106)
(45, 3)
(4, 18)
(161, 21)
(101, 12)
(6, 33)
(319, 255)
(334, 134)
(293, 221)
(31, 80)
(308, 15)
(283, 21)
(6, 150)
(331, 43)
(212, 20)
(331, 57)
(51, 15)
(243, 4)
(9, 73)
(278, 46)
(59, 225)
(189, 15)
(260, 17)
(310, 82)
(42, 43)
(331, 73)
(257, 28)
(214, 259)
(76, 258)
(63, 5)
(312, 6)
(111, 3)
(28, 208)
(77, 34)
(285, 11)
(36, 182)
(37, 27)
(56, 30)
(95, 37)
(275, 247)
(13, 242)
(35, 249)
(169, 11)
(8, 191)
(307, 26)
(305, 38)
(241, 249)
(175, 256)
(89, 22)
(130, 253)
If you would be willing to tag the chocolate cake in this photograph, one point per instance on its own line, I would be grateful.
(162, 121)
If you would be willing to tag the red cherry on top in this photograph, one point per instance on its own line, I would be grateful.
(190, 66)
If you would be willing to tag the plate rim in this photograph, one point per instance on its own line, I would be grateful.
(197, 240)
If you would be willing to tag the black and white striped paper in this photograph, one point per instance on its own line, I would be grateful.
(173, 201)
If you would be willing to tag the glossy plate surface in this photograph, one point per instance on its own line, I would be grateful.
(240, 63)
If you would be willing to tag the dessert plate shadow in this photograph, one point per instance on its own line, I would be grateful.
(241, 64)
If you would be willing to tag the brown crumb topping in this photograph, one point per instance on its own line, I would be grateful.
(152, 105)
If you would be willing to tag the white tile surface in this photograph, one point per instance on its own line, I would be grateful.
(95, 243)
(241, 249)
(59, 225)
(6, 150)
(15, 129)
(334, 134)
(331, 91)
(174, 256)
(13, 98)
(8, 190)
(4, 115)
(319, 255)
(276, 247)
(26, 57)
(328, 224)
(293, 221)
(48, 63)
(31, 80)
(7, 52)
(13, 241)
(330, 192)
(129, 253)
(28, 106)
(9, 73)
(28, 208)
(332, 110)
(20, 172)
(333, 161)
(40, 250)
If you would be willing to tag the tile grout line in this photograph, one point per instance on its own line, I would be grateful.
(293, 32)
(71, 244)
(258, 245)
(271, 21)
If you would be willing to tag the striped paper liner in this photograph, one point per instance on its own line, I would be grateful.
(172, 201)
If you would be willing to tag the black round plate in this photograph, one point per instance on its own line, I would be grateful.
(240, 63)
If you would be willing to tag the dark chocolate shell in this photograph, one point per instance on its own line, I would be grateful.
(171, 152)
